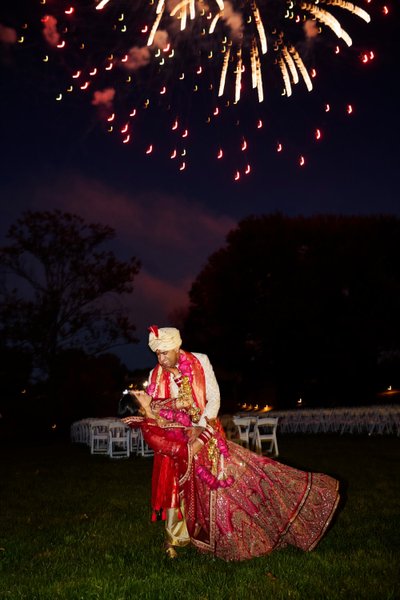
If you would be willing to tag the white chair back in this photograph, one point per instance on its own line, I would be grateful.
(119, 440)
(265, 431)
(99, 437)
(135, 436)
(243, 425)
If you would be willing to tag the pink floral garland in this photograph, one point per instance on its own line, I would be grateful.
(185, 367)
(211, 480)
(151, 388)
(222, 447)
(179, 416)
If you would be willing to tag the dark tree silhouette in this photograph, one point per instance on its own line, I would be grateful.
(61, 289)
(308, 306)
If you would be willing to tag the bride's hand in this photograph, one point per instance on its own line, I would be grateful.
(193, 433)
(204, 437)
(196, 446)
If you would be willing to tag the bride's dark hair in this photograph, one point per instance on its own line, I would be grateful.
(136, 402)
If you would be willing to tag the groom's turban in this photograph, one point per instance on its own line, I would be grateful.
(164, 338)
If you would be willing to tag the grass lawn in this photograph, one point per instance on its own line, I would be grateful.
(75, 526)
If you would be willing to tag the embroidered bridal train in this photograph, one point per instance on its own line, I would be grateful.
(237, 504)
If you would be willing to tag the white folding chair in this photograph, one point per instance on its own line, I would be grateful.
(119, 440)
(265, 431)
(243, 425)
(135, 435)
(99, 436)
(142, 448)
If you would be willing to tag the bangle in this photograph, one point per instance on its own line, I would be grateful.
(206, 435)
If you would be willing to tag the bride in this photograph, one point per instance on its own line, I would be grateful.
(238, 504)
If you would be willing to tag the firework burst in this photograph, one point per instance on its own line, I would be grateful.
(149, 67)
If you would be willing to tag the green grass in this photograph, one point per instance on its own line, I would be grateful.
(75, 526)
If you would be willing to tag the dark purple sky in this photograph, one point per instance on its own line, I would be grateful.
(57, 156)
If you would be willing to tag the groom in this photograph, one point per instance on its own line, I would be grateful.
(181, 381)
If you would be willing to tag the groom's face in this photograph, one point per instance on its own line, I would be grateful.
(168, 358)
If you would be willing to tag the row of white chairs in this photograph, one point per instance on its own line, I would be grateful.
(256, 430)
(110, 437)
(370, 420)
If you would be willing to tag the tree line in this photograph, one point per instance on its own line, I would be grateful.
(301, 307)
(60, 318)
(288, 308)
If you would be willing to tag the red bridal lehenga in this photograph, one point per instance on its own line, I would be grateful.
(239, 504)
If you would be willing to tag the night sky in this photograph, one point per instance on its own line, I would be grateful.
(58, 155)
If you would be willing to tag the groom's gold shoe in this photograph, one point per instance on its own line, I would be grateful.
(170, 551)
